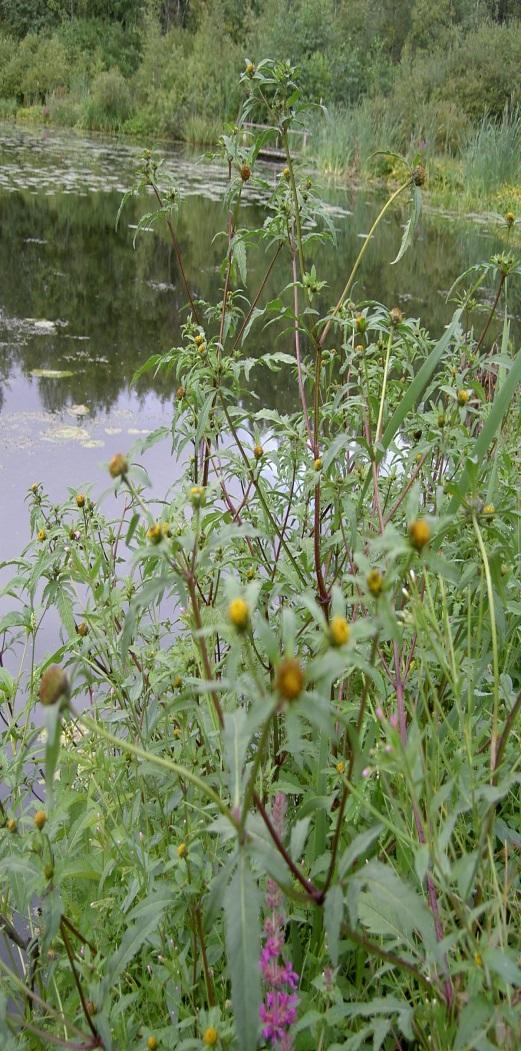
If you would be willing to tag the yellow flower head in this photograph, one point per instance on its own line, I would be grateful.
(152, 1043)
(80, 500)
(463, 396)
(41, 535)
(510, 218)
(210, 1036)
(182, 850)
(419, 533)
(39, 819)
(197, 495)
(258, 451)
(338, 631)
(239, 613)
(290, 679)
(489, 509)
(317, 464)
(340, 767)
(375, 582)
(155, 533)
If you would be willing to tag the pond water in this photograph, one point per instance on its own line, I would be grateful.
(76, 299)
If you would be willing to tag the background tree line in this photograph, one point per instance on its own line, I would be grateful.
(409, 73)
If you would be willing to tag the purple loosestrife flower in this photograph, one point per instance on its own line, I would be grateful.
(279, 1010)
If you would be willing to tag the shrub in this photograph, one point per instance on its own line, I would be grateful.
(109, 103)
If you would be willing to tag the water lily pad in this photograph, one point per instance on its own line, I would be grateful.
(51, 374)
(66, 434)
(78, 410)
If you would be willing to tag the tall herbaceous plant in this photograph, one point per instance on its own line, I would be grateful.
(265, 790)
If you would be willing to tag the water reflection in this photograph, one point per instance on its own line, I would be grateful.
(76, 299)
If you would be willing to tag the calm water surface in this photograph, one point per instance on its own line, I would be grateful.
(77, 298)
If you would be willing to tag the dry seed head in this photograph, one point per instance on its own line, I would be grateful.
(39, 819)
(375, 582)
(290, 679)
(339, 631)
(54, 684)
(82, 629)
(210, 1036)
(245, 172)
(419, 175)
(118, 466)
(396, 315)
(419, 533)
(239, 613)
(180, 393)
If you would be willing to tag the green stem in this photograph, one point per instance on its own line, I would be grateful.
(360, 256)
(495, 651)
(161, 763)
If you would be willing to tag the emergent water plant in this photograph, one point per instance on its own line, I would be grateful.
(264, 791)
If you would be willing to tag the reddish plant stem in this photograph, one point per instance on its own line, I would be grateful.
(77, 980)
(311, 890)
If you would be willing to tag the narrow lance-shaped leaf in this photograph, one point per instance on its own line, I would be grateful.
(241, 908)
(498, 410)
(411, 224)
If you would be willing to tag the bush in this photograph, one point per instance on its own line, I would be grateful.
(109, 103)
(281, 704)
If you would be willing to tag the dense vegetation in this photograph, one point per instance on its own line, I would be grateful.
(276, 799)
(395, 74)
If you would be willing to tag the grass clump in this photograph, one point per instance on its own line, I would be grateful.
(281, 757)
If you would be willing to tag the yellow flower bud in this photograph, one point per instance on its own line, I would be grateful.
(182, 850)
(290, 679)
(80, 500)
(419, 533)
(118, 466)
(152, 1043)
(239, 613)
(11, 825)
(39, 819)
(54, 684)
(339, 631)
(463, 397)
(210, 1036)
(375, 582)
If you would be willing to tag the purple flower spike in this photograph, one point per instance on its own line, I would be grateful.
(279, 1010)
